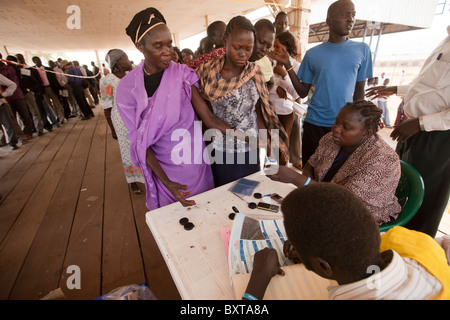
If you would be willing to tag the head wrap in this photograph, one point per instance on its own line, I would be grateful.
(63, 63)
(143, 22)
(113, 56)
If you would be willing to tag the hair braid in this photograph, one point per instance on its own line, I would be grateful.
(369, 112)
(239, 22)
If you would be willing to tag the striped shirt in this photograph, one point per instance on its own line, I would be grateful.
(402, 279)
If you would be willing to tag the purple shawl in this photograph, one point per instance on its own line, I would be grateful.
(154, 122)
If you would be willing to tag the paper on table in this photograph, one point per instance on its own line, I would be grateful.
(226, 232)
(249, 236)
(297, 284)
(244, 187)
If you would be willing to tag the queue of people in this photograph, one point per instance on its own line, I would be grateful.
(45, 96)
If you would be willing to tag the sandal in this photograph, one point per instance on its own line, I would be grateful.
(135, 189)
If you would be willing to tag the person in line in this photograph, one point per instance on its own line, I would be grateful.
(176, 55)
(51, 90)
(154, 102)
(283, 94)
(63, 92)
(92, 85)
(105, 70)
(382, 104)
(281, 22)
(27, 83)
(17, 103)
(187, 55)
(120, 65)
(35, 85)
(78, 90)
(237, 93)
(74, 108)
(108, 85)
(355, 156)
(338, 67)
(422, 139)
(8, 87)
(341, 241)
(87, 85)
(98, 75)
(215, 32)
(265, 35)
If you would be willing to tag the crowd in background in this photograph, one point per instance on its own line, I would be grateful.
(46, 97)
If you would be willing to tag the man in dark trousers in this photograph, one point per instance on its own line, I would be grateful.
(33, 82)
(51, 89)
(78, 90)
(423, 139)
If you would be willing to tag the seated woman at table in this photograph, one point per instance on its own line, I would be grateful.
(355, 156)
(155, 101)
(236, 91)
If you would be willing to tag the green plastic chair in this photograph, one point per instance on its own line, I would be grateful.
(409, 193)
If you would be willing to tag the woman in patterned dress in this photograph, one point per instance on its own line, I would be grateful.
(236, 90)
(120, 65)
(355, 156)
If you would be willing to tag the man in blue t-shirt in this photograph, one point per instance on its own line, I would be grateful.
(338, 70)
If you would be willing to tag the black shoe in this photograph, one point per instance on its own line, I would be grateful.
(14, 147)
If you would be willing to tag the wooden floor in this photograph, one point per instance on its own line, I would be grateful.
(65, 202)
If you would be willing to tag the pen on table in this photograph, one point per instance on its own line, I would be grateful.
(286, 257)
(239, 197)
(439, 56)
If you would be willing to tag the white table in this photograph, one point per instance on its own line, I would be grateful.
(196, 258)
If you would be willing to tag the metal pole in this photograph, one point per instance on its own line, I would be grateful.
(378, 42)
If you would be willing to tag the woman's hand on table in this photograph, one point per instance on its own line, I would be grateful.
(283, 174)
(177, 191)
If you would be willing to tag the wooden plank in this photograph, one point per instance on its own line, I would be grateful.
(122, 261)
(36, 278)
(85, 244)
(18, 162)
(9, 158)
(13, 204)
(15, 246)
(158, 275)
(16, 165)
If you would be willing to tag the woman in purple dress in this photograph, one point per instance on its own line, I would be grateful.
(155, 101)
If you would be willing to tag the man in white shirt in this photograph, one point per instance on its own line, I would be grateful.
(5, 114)
(423, 139)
